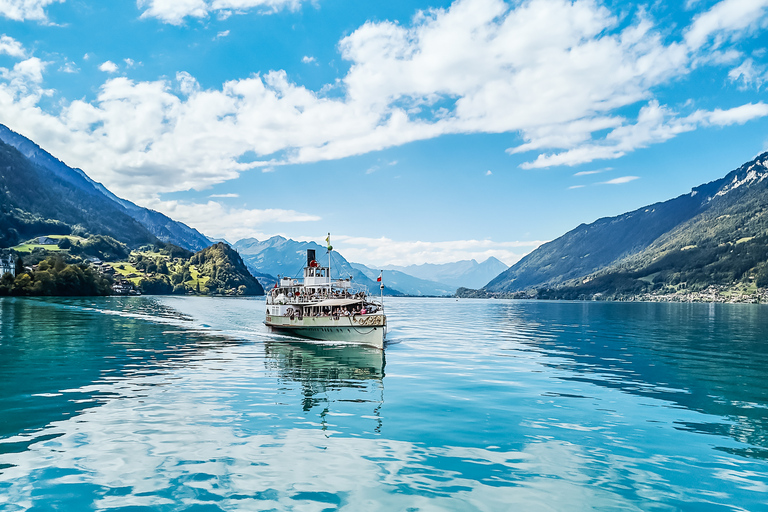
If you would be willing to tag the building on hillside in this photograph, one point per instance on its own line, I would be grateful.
(123, 287)
(8, 265)
(44, 240)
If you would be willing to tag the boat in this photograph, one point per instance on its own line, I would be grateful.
(318, 307)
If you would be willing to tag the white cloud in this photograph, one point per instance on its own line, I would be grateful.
(223, 33)
(224, 195)
(220, 221)
(175, 11)
(307, 60)
(24, 81)
(10, 46)
(654, 124)
(187, 83)
(386, 251)
(576, 186)
(598, 171)
(108, 67)
(555, 71)
(621, 180)
(736, 115)
(21, 10)
(726, 20)
(69, 67)
(488, 173)
(748, 73)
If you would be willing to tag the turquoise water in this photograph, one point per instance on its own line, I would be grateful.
(163, 403)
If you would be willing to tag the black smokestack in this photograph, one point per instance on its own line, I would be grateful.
(310, 256)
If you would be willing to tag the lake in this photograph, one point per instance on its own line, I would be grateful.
(184, 403)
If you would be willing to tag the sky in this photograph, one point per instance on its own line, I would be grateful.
(414, 131)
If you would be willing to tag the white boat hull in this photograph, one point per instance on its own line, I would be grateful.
(367, 330)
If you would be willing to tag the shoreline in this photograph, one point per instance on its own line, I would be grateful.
(713, 294)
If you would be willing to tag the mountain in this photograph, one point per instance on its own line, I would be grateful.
(465, 273)
(286, 257)
(36, 201)
(716, 234)
(75, 180)
(225, 270)
(408, 284)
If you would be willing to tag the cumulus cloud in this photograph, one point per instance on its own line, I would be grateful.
(21, 10)
(398, 252)
(220, 221)
(108, 67)
(175, 12)
(10, 46)
(23, 81)
(555, 71)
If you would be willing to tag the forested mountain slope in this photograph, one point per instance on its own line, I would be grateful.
(159, 225)
(36, 201)
(714, 235)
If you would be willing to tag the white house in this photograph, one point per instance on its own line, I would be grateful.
(8, 264)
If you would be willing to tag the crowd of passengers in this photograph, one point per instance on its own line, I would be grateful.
(368, 309)
(320, 295)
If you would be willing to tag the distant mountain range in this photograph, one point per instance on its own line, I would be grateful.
(279, 255)
(408, 284)
(41, 189)
(715, 235)
(467, 273)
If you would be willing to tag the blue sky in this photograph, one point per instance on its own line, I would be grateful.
(414, 131)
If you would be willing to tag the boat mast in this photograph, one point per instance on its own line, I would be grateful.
(381, 276)
(330, 248)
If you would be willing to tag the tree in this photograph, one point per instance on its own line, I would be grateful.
(19, 266)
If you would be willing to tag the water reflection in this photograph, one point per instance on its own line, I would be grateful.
(324, 368)
(60, 358)
(709, 358)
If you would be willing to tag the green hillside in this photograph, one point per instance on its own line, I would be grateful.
(159, 269)
(715, 236)
(80, 185)
(216, 270)
(34, 202)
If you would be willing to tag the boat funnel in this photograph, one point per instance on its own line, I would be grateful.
(310, 256)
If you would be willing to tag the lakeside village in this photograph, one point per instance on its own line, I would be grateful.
(12, 265)
(100, 265)
(721, 294)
